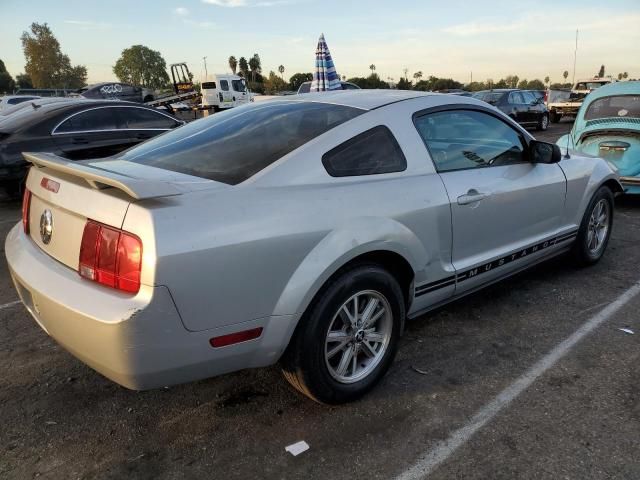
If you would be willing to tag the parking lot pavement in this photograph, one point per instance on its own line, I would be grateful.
(579, 418)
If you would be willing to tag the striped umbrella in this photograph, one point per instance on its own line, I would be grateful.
(325, 76)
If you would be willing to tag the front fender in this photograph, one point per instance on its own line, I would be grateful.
(338, 247)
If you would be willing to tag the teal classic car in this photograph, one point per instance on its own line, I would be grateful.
(608, 126)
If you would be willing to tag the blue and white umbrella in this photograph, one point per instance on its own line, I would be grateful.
(325, 76)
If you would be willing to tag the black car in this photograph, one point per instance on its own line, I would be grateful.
(75, 129)
(522, 105)
(114, 91)
(306, 87)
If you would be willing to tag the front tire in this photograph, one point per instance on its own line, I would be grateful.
(595, 229)
(348, 337)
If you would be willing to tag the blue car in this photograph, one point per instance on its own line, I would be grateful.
(608, 126)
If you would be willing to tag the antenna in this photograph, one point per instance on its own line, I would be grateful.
(566, 153)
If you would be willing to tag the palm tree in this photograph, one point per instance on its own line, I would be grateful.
(233, 64)
(417, 75)
(281, 70)
(546, 80)
(619, 76)
(565, 74)
(372, 67)
(625, 75)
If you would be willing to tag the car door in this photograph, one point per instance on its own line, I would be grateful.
(501, 203)
(518, 110)
(91, 133)
(227, 95)
(144, 123)
(240, 92)
(533, 107)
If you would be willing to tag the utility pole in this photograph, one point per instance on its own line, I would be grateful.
(575, 56)
(206, 75)
(471, 77)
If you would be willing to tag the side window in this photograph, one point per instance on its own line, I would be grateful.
(238, 85)
(515, 98)
(529, 98)
(464, 139)
(141, 118)
(372, 152)
(224, 85)
(209, 86)
(91, 120)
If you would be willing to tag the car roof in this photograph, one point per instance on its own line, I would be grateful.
(362, 99)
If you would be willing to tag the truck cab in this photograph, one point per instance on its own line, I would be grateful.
(225, 91)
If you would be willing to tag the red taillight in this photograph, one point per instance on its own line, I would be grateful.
(26, 204)
(236, 337)
(110, 257)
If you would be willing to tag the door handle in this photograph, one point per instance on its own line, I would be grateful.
(472, 196)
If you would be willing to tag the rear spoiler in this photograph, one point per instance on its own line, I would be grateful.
(99, 179)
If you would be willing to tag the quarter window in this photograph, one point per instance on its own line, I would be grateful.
(91, 120)
(372, 152)
(464, 139)
(224, 85)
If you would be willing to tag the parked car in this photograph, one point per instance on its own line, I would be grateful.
(30, 105)
(306, 87)
(75, 129)
(304, 229)
(225, 91)
(562, 103)
(521, 105)
(8, 101)
(608, 126)
(116, 91)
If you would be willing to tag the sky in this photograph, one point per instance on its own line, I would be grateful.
(456, 39)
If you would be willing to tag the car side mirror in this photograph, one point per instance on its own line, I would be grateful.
(543, 152)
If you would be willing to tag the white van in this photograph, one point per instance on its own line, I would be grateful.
(225, 91)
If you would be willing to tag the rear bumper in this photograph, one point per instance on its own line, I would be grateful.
(137, 341)
(631, 185)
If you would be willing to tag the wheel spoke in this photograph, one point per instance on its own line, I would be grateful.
(340, 338)
(350, 318)
(368, 350)
(354, 361)
(372, 304)
(345, 361)
(374, 337)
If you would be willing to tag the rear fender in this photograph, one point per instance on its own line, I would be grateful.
(338, 248)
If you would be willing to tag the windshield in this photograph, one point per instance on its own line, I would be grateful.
(239, 85)
(624, 106)
(232, 146)
(489, 97)
(589, 85)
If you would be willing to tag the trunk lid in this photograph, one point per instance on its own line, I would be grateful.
(73, 192)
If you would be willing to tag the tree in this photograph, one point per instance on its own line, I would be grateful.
(620, 76)
(601, 71)
(512, 81)
(435, 84)
(274, 84)
(281, 70)
(404, 84)
(23, 81)
(46, 65)
(565, 74)
(417, 75)
(372, 81)
(625, 75)
(535, 84)
(139, 65)
(298, 79)
(255, 65)
(372, 67)
(546, 80)
(233, 64)
(6, 81)
(244, 66)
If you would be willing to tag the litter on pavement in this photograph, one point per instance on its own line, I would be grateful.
(297, 448)
(627, 330)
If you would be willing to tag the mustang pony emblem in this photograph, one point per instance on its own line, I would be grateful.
(46, 226)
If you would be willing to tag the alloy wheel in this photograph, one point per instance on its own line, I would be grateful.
(598, 227)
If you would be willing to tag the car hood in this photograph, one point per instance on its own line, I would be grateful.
(621, 150)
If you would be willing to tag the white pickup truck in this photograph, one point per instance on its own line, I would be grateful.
(563, 103)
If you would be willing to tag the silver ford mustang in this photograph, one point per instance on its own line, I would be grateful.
(303, 230)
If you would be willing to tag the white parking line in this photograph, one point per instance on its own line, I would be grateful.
(10, 304)
(444, 449)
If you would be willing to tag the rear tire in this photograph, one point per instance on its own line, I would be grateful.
(595, 229)
(336, 356)
(543, 124)
(555, 117)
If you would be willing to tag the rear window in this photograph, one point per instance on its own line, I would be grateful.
(232, 146)
(17, 100)
(623, 106)
(209, 86)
